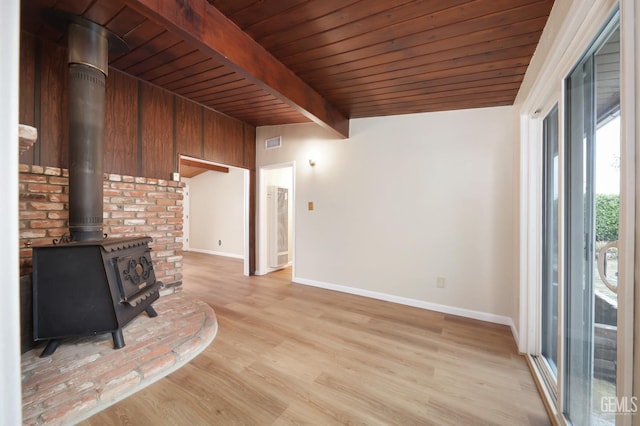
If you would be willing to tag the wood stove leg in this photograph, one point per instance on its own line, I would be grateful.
(51, 347)
(118, 339)
(151, 312)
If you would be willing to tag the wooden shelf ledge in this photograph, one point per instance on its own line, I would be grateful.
(27, 136)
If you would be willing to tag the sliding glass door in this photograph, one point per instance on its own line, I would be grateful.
(579, 197)
(592, 176)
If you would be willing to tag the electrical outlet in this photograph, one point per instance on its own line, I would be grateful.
(441, 282)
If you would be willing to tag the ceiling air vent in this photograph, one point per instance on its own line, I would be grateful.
(272, 143)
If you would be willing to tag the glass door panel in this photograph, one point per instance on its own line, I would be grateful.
(606, 217)
(592, 195)
(578, 309)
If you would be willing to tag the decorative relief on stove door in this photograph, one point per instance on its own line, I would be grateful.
(135, 275)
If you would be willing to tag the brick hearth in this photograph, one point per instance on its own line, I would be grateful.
(86, 375)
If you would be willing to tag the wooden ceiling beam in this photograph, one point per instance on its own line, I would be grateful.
(208, 29)
(203, 165)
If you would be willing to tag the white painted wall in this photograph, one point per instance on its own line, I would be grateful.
(10, 385)
(404, 200)
(217, 213)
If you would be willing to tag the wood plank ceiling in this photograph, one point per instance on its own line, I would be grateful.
(364, 57)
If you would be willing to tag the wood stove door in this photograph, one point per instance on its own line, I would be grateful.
(135, 274)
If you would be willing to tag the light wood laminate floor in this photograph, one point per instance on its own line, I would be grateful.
(292, 354)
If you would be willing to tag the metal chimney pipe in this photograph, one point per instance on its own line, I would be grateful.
(88, 67)
(89, 46)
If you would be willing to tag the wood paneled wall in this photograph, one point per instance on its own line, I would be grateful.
(146, 127)
(121, 124)
(189, 124)
(157, 148)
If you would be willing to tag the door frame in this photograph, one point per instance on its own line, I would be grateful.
(629, 262)
(262, 267)
(246, 206)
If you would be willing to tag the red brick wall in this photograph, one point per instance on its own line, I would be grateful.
(133, 206)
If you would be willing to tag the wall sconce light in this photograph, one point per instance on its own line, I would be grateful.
(312, 162)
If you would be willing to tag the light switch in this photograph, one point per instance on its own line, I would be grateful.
(310, 205)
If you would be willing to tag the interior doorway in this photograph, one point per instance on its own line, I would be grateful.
(276, 218)
(216, 221)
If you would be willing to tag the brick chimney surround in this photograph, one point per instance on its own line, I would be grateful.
(133, 206)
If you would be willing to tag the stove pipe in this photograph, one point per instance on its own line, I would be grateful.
(88, 65)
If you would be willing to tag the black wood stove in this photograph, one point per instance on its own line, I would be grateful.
(89, 284)
(93, 287)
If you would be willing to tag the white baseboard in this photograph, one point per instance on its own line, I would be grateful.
(217, 253)
(452, 310)
(514, 332)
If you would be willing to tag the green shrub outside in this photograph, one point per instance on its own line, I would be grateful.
(607, 214)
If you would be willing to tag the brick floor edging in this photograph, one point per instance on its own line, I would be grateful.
(86, 375)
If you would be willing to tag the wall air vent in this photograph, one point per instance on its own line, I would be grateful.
(272, 143)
